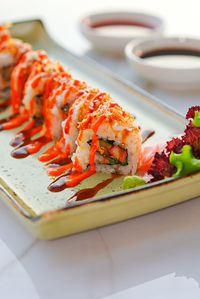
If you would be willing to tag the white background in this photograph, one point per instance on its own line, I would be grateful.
(154, 256)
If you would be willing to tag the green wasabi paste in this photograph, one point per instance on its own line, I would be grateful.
(132, 182)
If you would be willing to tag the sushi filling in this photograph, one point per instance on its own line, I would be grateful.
(112, 154)
(37, 108)
(65, 109)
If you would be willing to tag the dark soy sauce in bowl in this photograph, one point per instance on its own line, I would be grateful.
(172, 57)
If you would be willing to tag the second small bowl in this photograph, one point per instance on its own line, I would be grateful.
(170, 62)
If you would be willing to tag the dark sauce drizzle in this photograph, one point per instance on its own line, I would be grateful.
(29, 147)
(146, 134)
(60, 183)
(26, 134)
(59, 162)
(91, 192)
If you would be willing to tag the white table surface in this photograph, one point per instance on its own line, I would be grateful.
(153, 256)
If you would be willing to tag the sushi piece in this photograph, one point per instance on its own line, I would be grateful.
(28, 65)
(11, 51)
(63, 92)
(33, 101)
(87, 102)
(35, 86)
(80, 96)
(77, 112)
(109, 141)
(27, 87)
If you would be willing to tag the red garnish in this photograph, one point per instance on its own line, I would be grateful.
(192, 136)
(161, 166)
(175, 145)
(190, 113)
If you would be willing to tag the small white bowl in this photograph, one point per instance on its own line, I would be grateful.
(170, 71)
(111, 31)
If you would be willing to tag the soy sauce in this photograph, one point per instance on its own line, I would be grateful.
(172, 57)
(170, 51)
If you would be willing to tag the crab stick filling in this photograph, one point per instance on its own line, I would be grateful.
(111, 153)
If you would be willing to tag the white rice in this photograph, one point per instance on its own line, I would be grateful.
(30, 92)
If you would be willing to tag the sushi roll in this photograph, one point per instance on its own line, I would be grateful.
(11, 51)
(109, 141)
